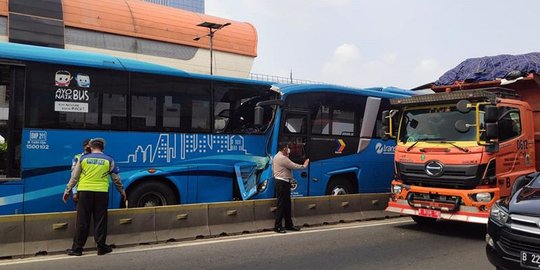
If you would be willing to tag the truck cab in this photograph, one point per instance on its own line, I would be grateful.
(460, 149)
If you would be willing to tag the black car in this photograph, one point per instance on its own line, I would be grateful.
(513, 233)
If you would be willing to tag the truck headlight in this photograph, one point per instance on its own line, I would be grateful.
(498, 214)
(396, 189)
(483, 197)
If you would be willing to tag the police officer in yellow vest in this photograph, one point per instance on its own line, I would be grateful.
(76, 158)
(91, 175)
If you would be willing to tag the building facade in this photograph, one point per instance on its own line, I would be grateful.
(190, 5)
(131, 29)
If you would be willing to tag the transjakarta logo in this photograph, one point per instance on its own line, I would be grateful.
(384, 149)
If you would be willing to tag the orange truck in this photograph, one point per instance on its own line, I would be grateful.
(461, 148)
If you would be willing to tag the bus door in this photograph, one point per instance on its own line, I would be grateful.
(294, 130)
(11, 123)
(11, 120)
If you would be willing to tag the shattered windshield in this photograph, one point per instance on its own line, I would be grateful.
(436, 124)
(234, 108)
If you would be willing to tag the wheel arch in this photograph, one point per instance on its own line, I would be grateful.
(154, 178)
(350, 176)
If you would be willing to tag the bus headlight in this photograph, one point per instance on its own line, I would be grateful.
(396, 189)
(263, 185)
(482, 197)
(498, 214)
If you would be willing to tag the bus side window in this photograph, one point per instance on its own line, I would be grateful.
(295, 124)
(4, 113)
(171, 104)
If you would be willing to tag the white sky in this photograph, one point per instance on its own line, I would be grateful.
(403, 43)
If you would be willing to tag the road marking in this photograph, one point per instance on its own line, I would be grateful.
(208, 242)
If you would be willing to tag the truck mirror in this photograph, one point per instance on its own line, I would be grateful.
(259, 115)
(413, 123)
(491, 114)
(462, 126)
(385, 120)
(464, 106)
(492, 148)
(492, 131)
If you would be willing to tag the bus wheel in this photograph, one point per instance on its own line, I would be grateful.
(149, 194)
(423, 220)
(339, 186)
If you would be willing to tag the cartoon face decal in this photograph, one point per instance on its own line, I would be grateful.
(83, 80)
(62, 78)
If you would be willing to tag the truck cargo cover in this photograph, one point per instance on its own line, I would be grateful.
(491, 68)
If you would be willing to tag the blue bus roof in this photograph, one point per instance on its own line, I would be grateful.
(389, 92)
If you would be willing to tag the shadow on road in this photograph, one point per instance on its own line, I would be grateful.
(450, 228)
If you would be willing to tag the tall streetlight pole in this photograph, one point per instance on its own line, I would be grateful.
(212, 28)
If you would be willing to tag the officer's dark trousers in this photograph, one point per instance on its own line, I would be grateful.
(91, 205)
(283, 194)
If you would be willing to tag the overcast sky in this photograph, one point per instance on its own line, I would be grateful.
(381, 43)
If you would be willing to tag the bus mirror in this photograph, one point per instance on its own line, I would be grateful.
(385, 120)
(259, 115)
(225, 113)
(385, 134)
(464, 106)
(462, 126)
(492, 131)
(491, 114)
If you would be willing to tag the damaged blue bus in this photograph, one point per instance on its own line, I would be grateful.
(178, 137)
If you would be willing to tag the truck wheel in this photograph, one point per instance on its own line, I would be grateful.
(339, 186)
(423, 220)
(150, 194)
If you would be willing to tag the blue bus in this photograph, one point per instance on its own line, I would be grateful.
(177, 137)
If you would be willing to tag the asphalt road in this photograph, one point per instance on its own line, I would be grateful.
(384, 244)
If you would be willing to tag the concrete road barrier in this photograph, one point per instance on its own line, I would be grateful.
(181, 221)
(131, 226)
(345, 208)
(312, 211)
(11, 235)
(53, 232)
(48, 232)
(231, 217)
(373, 206)
(265, 211)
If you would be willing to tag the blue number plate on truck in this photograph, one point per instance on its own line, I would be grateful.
(530, 260)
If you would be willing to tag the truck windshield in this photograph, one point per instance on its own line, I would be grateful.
(435, 124)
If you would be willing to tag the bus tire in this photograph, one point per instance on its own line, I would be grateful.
(150, 194)
(340, 186)
(423, 220)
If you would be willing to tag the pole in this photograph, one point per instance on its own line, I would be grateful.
(211, 52)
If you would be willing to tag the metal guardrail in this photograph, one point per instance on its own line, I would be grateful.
(280, 79)
(28, 235)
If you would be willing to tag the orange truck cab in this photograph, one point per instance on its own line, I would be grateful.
(461, 148)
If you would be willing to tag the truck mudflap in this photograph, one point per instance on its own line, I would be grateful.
(464, 214)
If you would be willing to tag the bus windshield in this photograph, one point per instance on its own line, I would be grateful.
(235, 108)
(435, 124)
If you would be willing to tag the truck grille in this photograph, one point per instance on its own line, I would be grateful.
(454, 176)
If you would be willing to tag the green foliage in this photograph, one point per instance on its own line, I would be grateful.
(3, 147)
